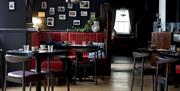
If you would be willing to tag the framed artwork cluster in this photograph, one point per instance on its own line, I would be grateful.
(63, 12)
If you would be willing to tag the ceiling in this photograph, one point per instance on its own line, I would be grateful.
(132, 3)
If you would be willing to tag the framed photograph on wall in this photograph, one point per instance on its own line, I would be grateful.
(70, 5)
(50, 21)
(43, 5)
(12, 5)
(84, 4)
(84, 13)
(76, 22)
(72, 13)
(61, 9)
(92, 14)
(51, 11)
(62, 17)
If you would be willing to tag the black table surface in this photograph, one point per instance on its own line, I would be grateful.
(170, 54)
(152, 50)
(40, 52)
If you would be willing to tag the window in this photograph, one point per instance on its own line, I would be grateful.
(122, 22)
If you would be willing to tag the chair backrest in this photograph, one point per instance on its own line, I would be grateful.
(16, 59)
(167, 60)
(140, 55)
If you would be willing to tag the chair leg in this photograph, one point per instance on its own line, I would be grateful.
(84, 73)
(156, 78)
(5, 76)
(153, 81)
(133, 73)
(30, 86)
(23, 87)
(166, 80)
(67, 83)
(52, 82)
(4, 88)
(44, 82)
(142, 74)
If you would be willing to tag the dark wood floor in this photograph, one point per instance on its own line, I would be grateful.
(119, 80)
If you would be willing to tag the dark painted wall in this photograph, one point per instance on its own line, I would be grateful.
(12, 19)
(142, 25)
(62, 25)
(173, 10)
(12, 27)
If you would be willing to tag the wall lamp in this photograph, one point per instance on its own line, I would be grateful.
(36, 22)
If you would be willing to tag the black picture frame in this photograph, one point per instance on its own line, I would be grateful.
(84, 4)
(84, 13)
(76, 22)
(43, 5)
(70, 5)
(12, 5)
(62, 16)
(52, 11)
(72, 13)
(61, 9)
(50, 21)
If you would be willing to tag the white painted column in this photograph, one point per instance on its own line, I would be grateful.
(162, 14)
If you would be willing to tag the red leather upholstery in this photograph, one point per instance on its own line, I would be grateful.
(41, 37)
(177, 69)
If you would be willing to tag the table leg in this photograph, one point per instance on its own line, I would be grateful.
(38, 69)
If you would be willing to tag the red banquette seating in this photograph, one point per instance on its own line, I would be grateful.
(40, 37)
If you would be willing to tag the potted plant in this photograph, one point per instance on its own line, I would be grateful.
(88, 25)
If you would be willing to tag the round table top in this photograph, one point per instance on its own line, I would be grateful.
(39, 52)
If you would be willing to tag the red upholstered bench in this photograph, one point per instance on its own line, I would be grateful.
(177, 69)
(41, 37)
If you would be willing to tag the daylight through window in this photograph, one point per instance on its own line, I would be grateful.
(122, 22)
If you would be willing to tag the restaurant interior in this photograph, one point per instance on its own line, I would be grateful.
(100, 45)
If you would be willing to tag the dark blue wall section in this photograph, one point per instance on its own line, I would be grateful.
(12, 19)
(14, 39)
(12, 25)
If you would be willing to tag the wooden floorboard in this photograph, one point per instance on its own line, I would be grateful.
(119, 80)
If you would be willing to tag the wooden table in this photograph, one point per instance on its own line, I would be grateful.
(153, 53)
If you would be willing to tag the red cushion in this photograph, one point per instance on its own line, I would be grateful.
(72, 36)
(35, 39)
(54, 65)
(177, 69)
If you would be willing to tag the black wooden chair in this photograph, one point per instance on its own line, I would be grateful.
(81, 65)
(165, 73)
(23, 75)
(140, 56)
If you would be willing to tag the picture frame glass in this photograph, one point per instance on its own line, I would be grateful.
(62, 17)
(11, 5)
(84, 4)
(70, 5)
(72, 13)
(76, 22)
(51, 11)
(92, 14)
(43, 5)
(84, 13)
(61, 9)
(50, 21)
